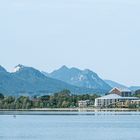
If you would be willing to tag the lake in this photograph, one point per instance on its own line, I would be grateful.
(70, 126)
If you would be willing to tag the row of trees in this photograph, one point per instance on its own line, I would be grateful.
(63, 99)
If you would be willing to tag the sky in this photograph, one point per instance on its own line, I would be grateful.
(101, 35)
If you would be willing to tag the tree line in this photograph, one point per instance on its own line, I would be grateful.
(62, 99)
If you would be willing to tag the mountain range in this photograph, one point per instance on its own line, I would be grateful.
(80, 78)
(30, 81)
(118, 85)
(115, 84)
(27, 80)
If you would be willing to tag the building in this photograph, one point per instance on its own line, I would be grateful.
(113, 100)
(83, 103)
(136, 102)
(121, 92)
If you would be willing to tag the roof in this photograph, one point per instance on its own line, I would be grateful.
(110, 96)
(121, 89)
(115, 96)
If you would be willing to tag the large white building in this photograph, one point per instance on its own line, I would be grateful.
(115, 96)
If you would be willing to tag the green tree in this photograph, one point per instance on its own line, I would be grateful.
(1, 96)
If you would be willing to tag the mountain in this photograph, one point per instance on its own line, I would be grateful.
(30, 81)
(134, 88)
(2, 69)
(45, 73)
(9, 83)
(81, 78)
(115, 84)
(27, 80)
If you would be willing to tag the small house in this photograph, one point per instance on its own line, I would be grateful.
(83, 103)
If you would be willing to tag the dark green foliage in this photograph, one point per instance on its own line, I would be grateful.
(132, 106)
(1, 96)
(62, 99)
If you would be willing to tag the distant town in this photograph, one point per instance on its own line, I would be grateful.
(116, 98)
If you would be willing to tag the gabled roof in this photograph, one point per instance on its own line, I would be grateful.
(120, 89)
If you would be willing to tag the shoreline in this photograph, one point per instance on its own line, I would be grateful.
(73, 110)
(68, 112)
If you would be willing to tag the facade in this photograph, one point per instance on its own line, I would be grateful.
(136, 102)
(83, 103)
(112, 100)
(121, 92)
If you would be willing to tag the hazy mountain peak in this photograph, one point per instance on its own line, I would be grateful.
(27, 72)
(88, 71)
(81, 78)
(64, 67)
(18, 68)
(21, 68)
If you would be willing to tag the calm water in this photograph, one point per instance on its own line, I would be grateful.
(63, 126)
